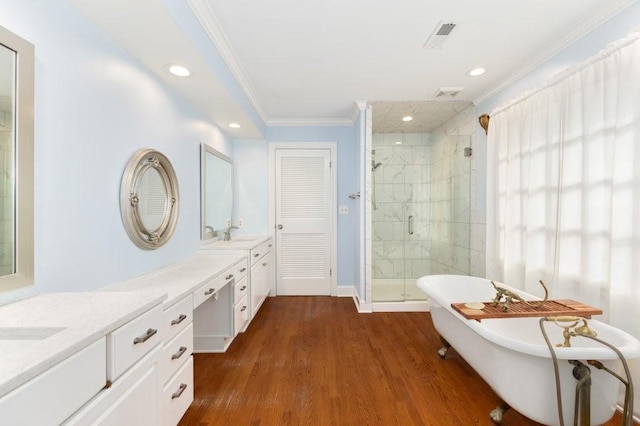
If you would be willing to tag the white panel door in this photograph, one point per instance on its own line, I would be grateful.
(303, 221)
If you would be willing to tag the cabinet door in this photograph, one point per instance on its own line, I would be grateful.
(131, 400)
(138, 405)
(54, 395)
(260, 283)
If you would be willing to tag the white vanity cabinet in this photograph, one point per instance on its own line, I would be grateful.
(130, 395)
(261, 267)
(259, 254)
(49, 398)
(132, 399)
(122, 355)
(218, 319)
(241, 309)
(80, 358)
(175, 368)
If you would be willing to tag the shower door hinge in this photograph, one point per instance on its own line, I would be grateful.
(468, 152)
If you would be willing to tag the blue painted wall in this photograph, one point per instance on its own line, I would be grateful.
(252, 198)
(95, 106)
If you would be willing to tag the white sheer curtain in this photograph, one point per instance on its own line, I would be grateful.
(563, 188)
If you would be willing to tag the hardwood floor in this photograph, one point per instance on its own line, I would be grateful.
(317, 361)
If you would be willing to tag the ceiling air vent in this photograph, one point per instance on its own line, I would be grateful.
(439, 35)
(448, 92)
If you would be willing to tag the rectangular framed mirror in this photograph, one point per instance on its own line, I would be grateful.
(16, 168)
(216, 192)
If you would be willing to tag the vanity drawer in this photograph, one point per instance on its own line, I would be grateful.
(177, 395)
(261, 250)
(205, 291)
(239, 270)
(54, 395)
(177, 318)
(229, 276)
(175, 353)
(132, 341)
(241, 315)
(240, 290)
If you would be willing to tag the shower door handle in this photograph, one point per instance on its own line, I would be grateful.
(410, 225)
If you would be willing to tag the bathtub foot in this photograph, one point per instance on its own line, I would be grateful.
(442, 352)
(497, 413)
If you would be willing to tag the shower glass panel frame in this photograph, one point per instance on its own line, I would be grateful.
(420, 192)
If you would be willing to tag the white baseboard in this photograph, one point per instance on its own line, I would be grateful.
(408, 306)
(363, 308)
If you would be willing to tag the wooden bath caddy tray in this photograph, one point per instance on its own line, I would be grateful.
(521, 310)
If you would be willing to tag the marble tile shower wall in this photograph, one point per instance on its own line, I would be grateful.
(402, 188)
(450, 239)
(427, 176)
(6, 203)
(466, 123)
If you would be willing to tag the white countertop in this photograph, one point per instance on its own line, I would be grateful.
(237, 242)
(82, 317)
(179, 279)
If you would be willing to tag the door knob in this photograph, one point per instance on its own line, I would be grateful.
(279, 226)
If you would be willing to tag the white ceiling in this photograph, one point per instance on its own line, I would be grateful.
(307, 62)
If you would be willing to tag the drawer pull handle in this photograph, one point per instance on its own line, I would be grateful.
(264, 264)
(150, 332)
(180, 352)
(243, 269)
(256, 255)
(270, 245)
(228, 277)
(178, 320)
(210, 291)
(243, 288)
(244, 308)
(177, 394)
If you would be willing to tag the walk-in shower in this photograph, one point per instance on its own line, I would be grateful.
(419, 192)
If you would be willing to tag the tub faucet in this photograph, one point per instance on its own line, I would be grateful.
(227, 232)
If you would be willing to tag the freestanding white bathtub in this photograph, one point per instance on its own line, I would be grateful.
(513, 358)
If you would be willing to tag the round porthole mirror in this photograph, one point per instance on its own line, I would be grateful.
(149, 199)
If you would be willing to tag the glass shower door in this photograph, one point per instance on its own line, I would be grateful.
(450, 240)
(420, 212)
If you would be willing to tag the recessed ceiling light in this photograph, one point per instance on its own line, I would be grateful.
(476, 72)
(179, 70)
(234, 125)
(407, 118)
(399, 143)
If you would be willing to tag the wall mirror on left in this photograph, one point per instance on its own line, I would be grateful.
(16, 161)
(149, 199)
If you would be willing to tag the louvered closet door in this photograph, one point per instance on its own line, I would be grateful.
(303, 221)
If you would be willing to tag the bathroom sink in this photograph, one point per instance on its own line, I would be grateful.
(242, 238)
(13, 339)
(236, 240)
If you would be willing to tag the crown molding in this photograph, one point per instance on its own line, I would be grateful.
(300, 122)
(204, 13)
(571, 37)
(358, 107)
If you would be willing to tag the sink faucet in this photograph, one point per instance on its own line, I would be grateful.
(227, 233)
